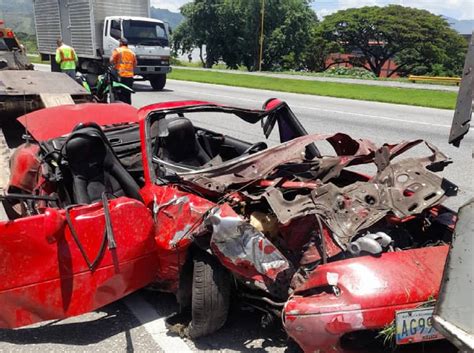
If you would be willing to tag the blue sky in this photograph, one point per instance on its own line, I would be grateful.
(459, 9)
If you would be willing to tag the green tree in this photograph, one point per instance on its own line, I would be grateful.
(414, 38)
(286, 44)
(230, 31)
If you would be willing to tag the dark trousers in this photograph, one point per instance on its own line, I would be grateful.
(124, 95)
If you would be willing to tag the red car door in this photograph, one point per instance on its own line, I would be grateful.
(44, 268)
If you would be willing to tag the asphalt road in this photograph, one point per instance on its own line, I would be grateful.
(136, 324)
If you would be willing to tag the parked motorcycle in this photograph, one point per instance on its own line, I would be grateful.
(102, 82)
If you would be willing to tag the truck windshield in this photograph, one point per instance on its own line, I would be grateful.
(145, 33)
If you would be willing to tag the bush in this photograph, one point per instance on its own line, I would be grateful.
(350, 71)
(440, 70)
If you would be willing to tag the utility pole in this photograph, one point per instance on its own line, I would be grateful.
(262, 20)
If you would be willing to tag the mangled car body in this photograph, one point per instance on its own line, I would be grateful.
(108, 199)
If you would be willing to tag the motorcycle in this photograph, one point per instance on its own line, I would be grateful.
(102, 82)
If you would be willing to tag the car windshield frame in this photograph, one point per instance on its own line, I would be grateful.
(289, 127)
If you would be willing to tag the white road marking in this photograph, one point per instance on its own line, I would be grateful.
(154, 323)
(329, 110)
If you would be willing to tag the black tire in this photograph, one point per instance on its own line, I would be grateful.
(158, 82)
(210, 295)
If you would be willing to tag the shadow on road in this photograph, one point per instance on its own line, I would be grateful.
(242, 332)
(114, 319)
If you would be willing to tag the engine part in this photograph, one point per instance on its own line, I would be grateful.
(372, 243)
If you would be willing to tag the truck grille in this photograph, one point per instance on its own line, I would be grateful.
(151, 62)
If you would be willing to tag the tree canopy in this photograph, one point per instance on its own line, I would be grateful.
(230, 30)
(294, 39)
(417, 39)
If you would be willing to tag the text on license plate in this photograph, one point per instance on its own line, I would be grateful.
(415, 325)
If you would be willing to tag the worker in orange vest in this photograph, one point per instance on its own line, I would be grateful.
(125, 61)
(66, 58)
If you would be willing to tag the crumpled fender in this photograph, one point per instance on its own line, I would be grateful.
(244, 250)
(362, 293)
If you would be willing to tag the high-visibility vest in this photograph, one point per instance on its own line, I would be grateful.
(67, 53)
(66, 57)
(125, 61)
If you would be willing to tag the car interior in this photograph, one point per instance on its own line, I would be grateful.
(93, 160)
(203, 148)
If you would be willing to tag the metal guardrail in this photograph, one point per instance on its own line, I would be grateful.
(439, 79)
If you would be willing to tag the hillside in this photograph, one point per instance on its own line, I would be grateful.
(18, 14)
(173, 18)
(462, 26)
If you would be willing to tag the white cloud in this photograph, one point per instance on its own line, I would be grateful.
(172, 5)
(459, 9)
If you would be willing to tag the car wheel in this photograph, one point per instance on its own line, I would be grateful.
(158, 82)
(210, 295)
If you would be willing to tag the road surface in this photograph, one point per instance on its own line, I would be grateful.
(136, 324)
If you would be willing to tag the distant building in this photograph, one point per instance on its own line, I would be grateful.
(348, 60)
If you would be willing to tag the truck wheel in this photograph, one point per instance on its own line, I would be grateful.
(158, 82)
(210, 295)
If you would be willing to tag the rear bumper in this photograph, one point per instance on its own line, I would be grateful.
(371, 290)
(152, 70)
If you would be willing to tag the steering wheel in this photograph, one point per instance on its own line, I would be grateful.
(256, 147)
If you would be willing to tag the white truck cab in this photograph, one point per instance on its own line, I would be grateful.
(148, 38)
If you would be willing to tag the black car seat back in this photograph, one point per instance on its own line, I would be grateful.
(95, 168)
(181, 145)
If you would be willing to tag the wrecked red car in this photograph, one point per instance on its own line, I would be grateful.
(106, 199)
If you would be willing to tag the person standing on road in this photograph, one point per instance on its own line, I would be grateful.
(125, 61)
(66, 58)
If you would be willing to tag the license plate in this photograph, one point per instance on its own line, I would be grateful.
(415, 325)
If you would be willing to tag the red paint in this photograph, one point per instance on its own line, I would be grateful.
(25, 167)
(371, 290)
(51, 280)
(53, 122)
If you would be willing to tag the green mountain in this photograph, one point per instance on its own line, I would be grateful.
(462, 26)
(18, 15)
(173, 18)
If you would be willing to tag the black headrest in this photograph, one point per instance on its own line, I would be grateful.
(181, 139)
(86, 149)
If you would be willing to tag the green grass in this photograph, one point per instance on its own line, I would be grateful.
(407, 96)
(36, 59)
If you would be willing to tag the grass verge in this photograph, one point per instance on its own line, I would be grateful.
(407, 96)
(36, 59)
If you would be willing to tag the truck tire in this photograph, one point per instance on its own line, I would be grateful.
(158, 82)
(210, 295)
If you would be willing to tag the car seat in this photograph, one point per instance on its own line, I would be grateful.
(181, 145)
(95, 168)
